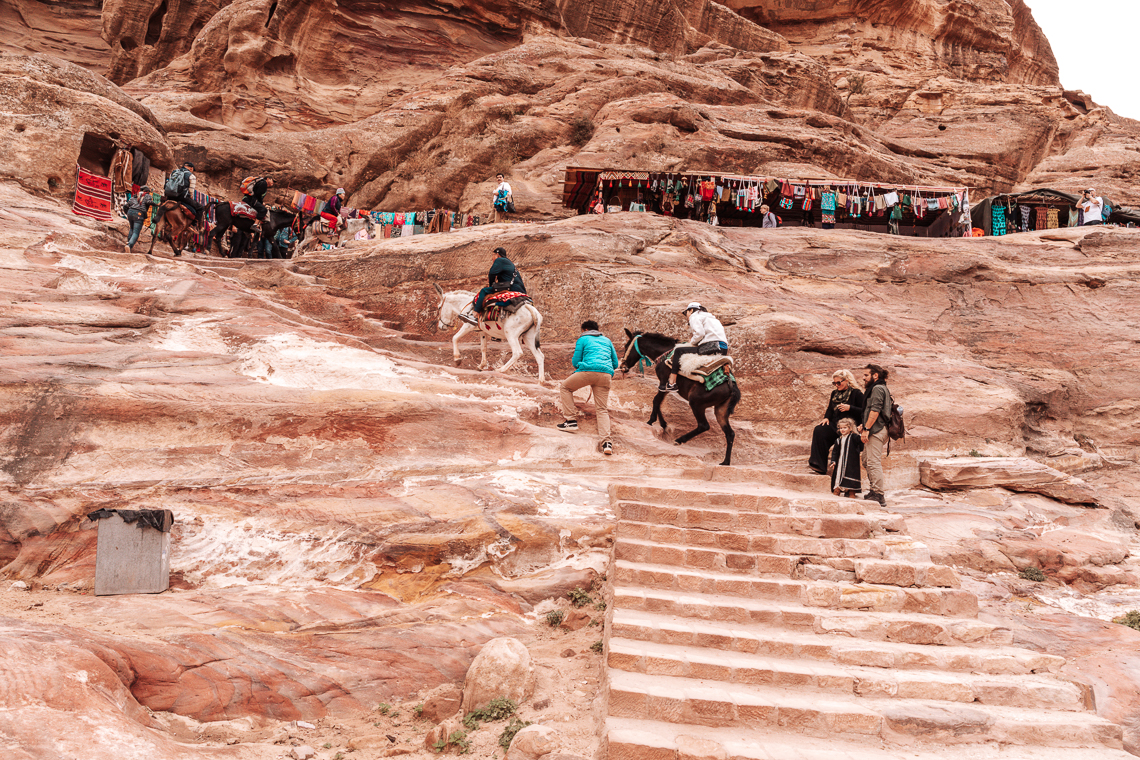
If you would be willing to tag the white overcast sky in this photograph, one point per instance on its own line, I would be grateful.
(1095, 44)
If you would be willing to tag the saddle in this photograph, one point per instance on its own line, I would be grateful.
(496, 305)
(243, 209)
(697, 367)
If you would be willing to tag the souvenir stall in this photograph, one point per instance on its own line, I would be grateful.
(1040, 209)
(735, 200)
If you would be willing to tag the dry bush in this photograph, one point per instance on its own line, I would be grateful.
(581, 130)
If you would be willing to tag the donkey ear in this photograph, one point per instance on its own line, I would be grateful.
(438, 289)
(627, 332)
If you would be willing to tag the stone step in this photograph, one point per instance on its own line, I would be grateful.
(849, 681)
(838, 649)
(628, 739)
(771, 505)
(856, 526)
(948, 602)
(705, 703)
(907, 627)
(751, 499)
(757, 564)
(745, 540)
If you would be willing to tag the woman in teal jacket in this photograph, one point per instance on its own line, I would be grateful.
(595, 360)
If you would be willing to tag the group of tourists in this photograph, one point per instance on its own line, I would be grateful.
(853, 431)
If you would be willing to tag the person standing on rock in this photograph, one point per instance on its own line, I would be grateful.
(873, 431)
(770, 222)
(846, 401)
(503, 199)
(595, 360)
(137, 206)
(1093, 206)
(844, 466)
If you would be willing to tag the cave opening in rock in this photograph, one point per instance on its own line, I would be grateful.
(154, 26)
(96, 152)
(272, 10)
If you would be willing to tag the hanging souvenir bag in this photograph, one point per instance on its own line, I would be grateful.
(787, 204)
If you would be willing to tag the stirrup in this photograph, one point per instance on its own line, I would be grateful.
(469, 319)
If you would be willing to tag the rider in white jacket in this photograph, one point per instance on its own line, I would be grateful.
(708, 338)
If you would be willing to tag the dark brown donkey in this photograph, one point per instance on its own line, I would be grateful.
(650, 347)
(173, 223)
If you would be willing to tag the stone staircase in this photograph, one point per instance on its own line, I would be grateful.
(749, 623)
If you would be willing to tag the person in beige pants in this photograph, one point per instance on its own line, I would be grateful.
(873, 431)
(595, 360)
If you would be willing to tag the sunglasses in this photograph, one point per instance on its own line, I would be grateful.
(838, 382)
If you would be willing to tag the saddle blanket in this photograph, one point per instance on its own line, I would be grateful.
(244, 209)
(505, 295)
(697, 367)
(503, 304)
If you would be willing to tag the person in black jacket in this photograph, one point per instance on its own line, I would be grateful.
(256, 196)
(502, 276)
(846, 401)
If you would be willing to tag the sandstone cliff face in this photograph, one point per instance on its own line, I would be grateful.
(980, 41)
(51, 105)
(68, 29)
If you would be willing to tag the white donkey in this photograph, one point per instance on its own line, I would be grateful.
(313, 236)
(524, 324)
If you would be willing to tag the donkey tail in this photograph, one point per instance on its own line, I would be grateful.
(734, 399)
(535, 315)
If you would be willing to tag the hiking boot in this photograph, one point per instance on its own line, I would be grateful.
(469, 319)
(874, 496)
(607, 448)
(570, 426)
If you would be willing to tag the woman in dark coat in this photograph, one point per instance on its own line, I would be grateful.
(846, 401)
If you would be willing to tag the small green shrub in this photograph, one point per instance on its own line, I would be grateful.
(1031, 574)
(327, 745)
(597, 646)
(509, 732)
(383, 708)
(601, 605)
(579, 598)
(499, 708)
(419, 710)
(975, 453)
(581, 130)
(1130, 619)
(554, 618)
(458, 739)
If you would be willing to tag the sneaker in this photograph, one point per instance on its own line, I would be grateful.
(469, 319)
(874, 496)
(568, 425)
(668, 388)
(607, 448)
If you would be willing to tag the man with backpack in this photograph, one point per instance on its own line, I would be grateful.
(253, 190)
(1093, 206)
(180, 187)
(873, 431)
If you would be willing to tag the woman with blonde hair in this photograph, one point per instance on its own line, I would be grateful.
(846, 401)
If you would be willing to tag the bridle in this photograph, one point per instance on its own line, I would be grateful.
(643, 361)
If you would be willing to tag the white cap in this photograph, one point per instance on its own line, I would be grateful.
(340, 191)
(694, 306)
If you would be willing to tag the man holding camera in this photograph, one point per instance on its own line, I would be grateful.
(1093, 207)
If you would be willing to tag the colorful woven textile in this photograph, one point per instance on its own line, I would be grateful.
(92, 195)
(305, 203)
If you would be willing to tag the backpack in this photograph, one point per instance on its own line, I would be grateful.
(247, 185)
(178, 181)
(1105, 211)
(896, 429)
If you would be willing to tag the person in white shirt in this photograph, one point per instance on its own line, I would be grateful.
(1093, 206)
(708, 338)
(503, 199)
